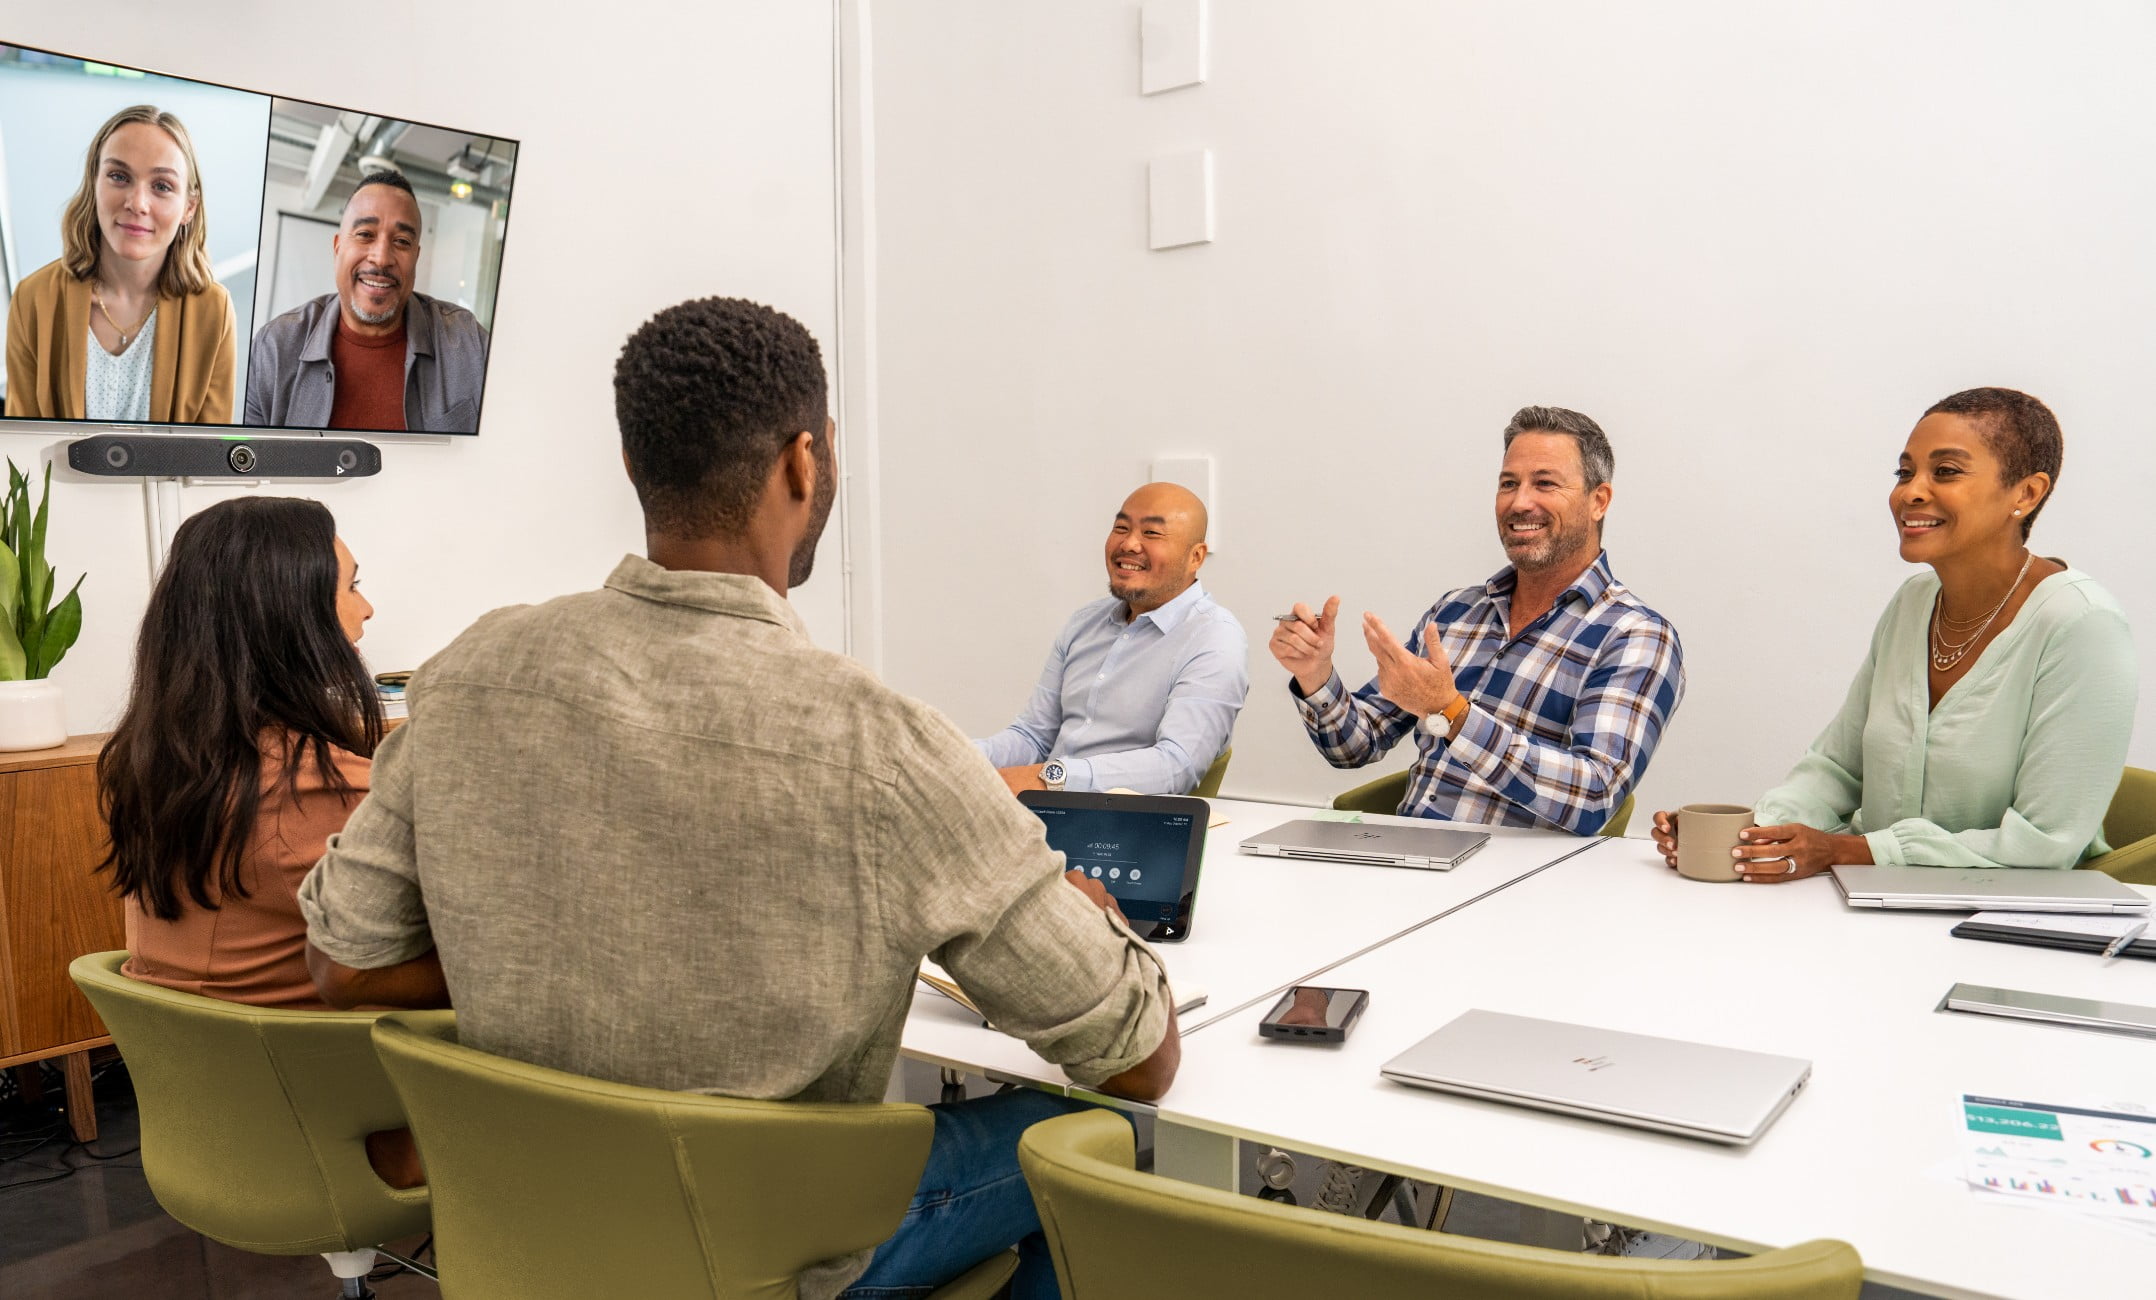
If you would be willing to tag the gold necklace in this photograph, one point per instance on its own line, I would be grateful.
(1945, 654)
(126, 335)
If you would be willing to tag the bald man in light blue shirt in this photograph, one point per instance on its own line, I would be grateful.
(1141, 689)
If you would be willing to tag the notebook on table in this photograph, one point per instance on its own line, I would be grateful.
(1695, 1090)
(1986, 889)
(2082, 932)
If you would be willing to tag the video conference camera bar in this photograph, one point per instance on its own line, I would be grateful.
(119, 455)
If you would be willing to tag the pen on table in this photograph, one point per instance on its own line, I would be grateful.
(2118, 945)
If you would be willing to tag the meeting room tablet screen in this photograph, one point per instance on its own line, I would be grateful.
(1143, 849)
(283, 264)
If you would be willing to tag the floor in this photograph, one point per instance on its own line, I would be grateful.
(77, 1222)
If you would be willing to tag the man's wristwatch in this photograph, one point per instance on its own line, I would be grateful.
(1442, 722)
(1054, 774)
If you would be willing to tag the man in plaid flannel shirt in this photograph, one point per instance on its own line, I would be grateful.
(1536, 698)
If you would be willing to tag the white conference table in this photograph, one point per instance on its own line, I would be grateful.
(1868, 1153)
(1259, 926)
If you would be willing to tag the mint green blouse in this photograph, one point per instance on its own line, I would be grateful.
(2016, 766)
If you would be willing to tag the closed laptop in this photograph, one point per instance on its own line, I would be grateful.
(1986, 889)
(1696, 1090)
(1432, 848)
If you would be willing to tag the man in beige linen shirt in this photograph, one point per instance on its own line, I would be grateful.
(652, 834)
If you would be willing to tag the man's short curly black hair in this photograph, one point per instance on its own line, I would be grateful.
(707, 393)
(2020, 430)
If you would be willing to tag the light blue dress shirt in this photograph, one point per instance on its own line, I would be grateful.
(1145, 705)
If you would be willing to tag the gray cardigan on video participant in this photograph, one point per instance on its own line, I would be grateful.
(291, 384)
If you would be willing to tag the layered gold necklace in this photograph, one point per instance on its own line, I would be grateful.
(1944, 653)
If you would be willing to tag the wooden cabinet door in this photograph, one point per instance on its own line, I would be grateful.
(54, 904)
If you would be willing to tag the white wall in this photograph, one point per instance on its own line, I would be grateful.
(669, 152)
(1754, 241)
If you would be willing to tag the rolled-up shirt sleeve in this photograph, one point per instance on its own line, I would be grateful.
(362, 901)
(973, 884)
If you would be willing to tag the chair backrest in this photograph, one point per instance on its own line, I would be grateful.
(2130, 829)
(548, 1184)
(2132, 815)
(1209, 784)
(1380, 796)
(254, 1120)
(1120, 1235)
(1385, 794)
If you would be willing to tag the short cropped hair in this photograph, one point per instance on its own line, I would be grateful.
(2020, 430)
(707, 394)
(389, 176)
(1597, 461)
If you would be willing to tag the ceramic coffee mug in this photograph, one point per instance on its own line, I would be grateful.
(1706, 832)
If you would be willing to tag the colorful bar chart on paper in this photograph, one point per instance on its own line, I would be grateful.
(2079, 1157)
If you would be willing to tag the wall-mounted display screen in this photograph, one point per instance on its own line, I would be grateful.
(187, 254)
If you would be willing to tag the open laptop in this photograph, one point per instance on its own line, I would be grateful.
(1986, 889)
(1718, 1094)
(1432, 848)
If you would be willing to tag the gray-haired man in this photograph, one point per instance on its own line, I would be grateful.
(1535, 698)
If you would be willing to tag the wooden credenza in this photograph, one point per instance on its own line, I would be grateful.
(54, 907)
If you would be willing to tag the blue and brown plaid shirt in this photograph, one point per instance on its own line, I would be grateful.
(1561, 720)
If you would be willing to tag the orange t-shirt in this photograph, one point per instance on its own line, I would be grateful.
(370, 379)
(254, 949)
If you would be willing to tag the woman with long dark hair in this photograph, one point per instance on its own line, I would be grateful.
(246, 744)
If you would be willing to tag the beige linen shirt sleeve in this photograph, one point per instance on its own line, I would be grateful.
(362, 900)
(969, 879)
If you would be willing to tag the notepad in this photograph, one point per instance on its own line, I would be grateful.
(2079, 932)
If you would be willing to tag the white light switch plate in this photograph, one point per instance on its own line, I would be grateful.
(1179, 189)
(1195, 473)
(1171, 35)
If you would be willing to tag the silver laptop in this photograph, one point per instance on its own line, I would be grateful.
(1719, 1094)
(1432, 848)
(1986, 889)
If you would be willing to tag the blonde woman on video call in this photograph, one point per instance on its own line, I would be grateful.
(129, 324)
(1987, 726)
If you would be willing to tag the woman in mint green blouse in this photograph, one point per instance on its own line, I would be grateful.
(1988, 724)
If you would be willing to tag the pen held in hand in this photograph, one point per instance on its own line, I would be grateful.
(1295, 618)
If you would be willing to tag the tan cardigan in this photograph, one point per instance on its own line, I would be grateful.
(48, 326)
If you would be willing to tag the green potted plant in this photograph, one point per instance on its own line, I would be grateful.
(35, 631)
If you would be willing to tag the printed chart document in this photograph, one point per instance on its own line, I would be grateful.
(2085, 1159)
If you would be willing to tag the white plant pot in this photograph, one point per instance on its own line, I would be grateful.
(33, 715)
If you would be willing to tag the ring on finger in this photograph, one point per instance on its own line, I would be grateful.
(1791, 869)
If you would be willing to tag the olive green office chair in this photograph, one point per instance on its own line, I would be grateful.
(550, 1185)
(1117, 1234)
(1384, 795)
(254, 1120)
(2130, 828)
(1209, 784)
